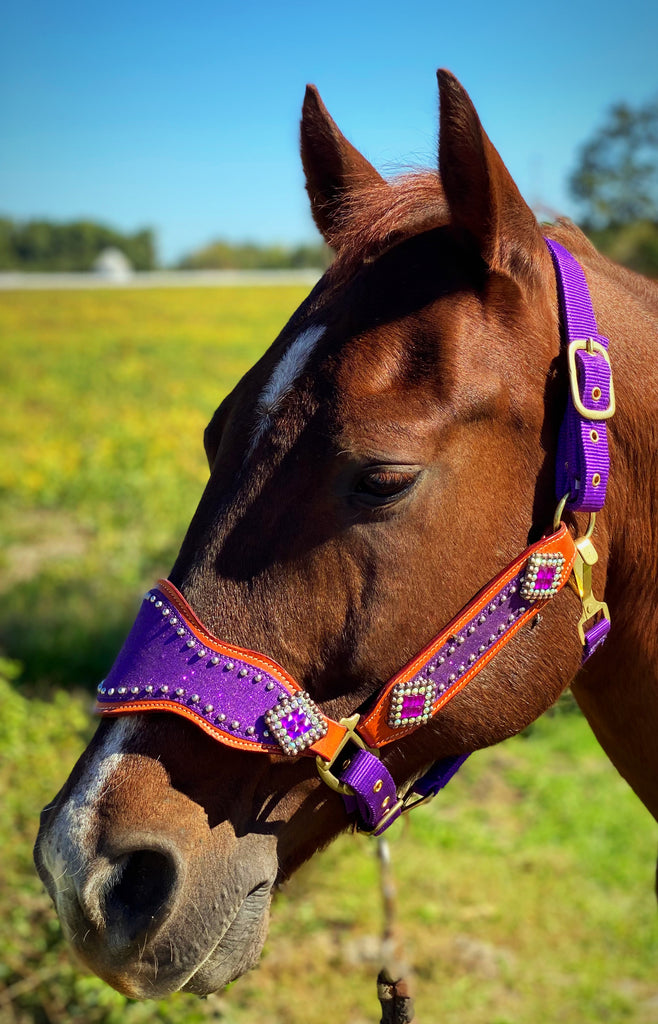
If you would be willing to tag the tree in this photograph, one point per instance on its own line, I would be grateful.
(616, 184)
(616, 179)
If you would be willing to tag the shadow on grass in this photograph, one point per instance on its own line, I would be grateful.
(66, 631)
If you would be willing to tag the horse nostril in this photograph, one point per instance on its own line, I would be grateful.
(142, 893)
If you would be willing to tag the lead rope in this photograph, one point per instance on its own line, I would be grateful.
(393, 989)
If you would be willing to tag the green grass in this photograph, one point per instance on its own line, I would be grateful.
(525, 890)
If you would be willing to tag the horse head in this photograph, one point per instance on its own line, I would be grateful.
(392, 451)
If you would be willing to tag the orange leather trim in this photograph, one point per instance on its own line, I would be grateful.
(375, 730)
(197, 627)
(325, 747)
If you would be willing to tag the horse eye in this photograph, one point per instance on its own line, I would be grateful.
(382, 486)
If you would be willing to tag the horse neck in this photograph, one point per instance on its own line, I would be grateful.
(618, 689)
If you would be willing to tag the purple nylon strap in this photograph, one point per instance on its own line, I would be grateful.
(582, 461)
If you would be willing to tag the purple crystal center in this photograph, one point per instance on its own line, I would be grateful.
(545, 577)
(296, 723)
(413, 705)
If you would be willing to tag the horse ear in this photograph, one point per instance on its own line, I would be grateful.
(334, 168)
(484, 202)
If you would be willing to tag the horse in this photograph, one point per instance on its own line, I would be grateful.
(391, 452)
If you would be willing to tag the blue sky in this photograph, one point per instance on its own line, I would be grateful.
(184, 116)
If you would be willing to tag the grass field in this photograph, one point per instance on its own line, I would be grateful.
(525, 890)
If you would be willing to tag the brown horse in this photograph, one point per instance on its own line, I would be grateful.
(392, 451)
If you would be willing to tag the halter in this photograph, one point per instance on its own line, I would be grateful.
(171, 662)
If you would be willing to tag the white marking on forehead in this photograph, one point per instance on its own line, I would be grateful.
(67, 850)
(286, 372)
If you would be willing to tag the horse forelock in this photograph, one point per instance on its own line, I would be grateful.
(377, 216)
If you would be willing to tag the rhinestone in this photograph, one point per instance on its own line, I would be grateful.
(158, 604)
(148, 689)
(173, 622)
(441, 687)
(180, 632)
(250, 730)
(166, 612)
(512, 590)
(121, 689)
(164, 689)
(180, 691)
(431, 669)
(208, 708)
(266, 733)
(195, 698)
(134, 689)
(111, 691)
(152, 599)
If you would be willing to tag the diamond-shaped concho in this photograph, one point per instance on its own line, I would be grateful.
(296, 723)
(542, 576)
(411, 703)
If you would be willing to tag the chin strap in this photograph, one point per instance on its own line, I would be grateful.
(243, 699)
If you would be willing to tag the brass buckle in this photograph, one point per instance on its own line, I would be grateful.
(591, 346)
(324, 767)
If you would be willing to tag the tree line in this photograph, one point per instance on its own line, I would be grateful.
(42, 245)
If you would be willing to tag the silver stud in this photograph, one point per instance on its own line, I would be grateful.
(208, 708)
(235, 725)
(111, 691)
(258, 677)
(164, 689)
(180, 632)
(270, 685)
(441, 660)
(481, 648)
(229, 666)
(471, 658)
(242, 672)
(471, 630)
(158, 604)
(201, 653)
(441, 687)
(266, 733)
(452, 649)
(180, 691)
(148, 689)
(152, 599)
(482, 619)
(121, 689)
(492, 638)
(501, 628)
(173, 622)
(460, 639)
(134, 689)
(191, 643)
(512, 590)
(195, 698)
(452, 677)
(250, 730)
(214, 660)
(220, 718)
